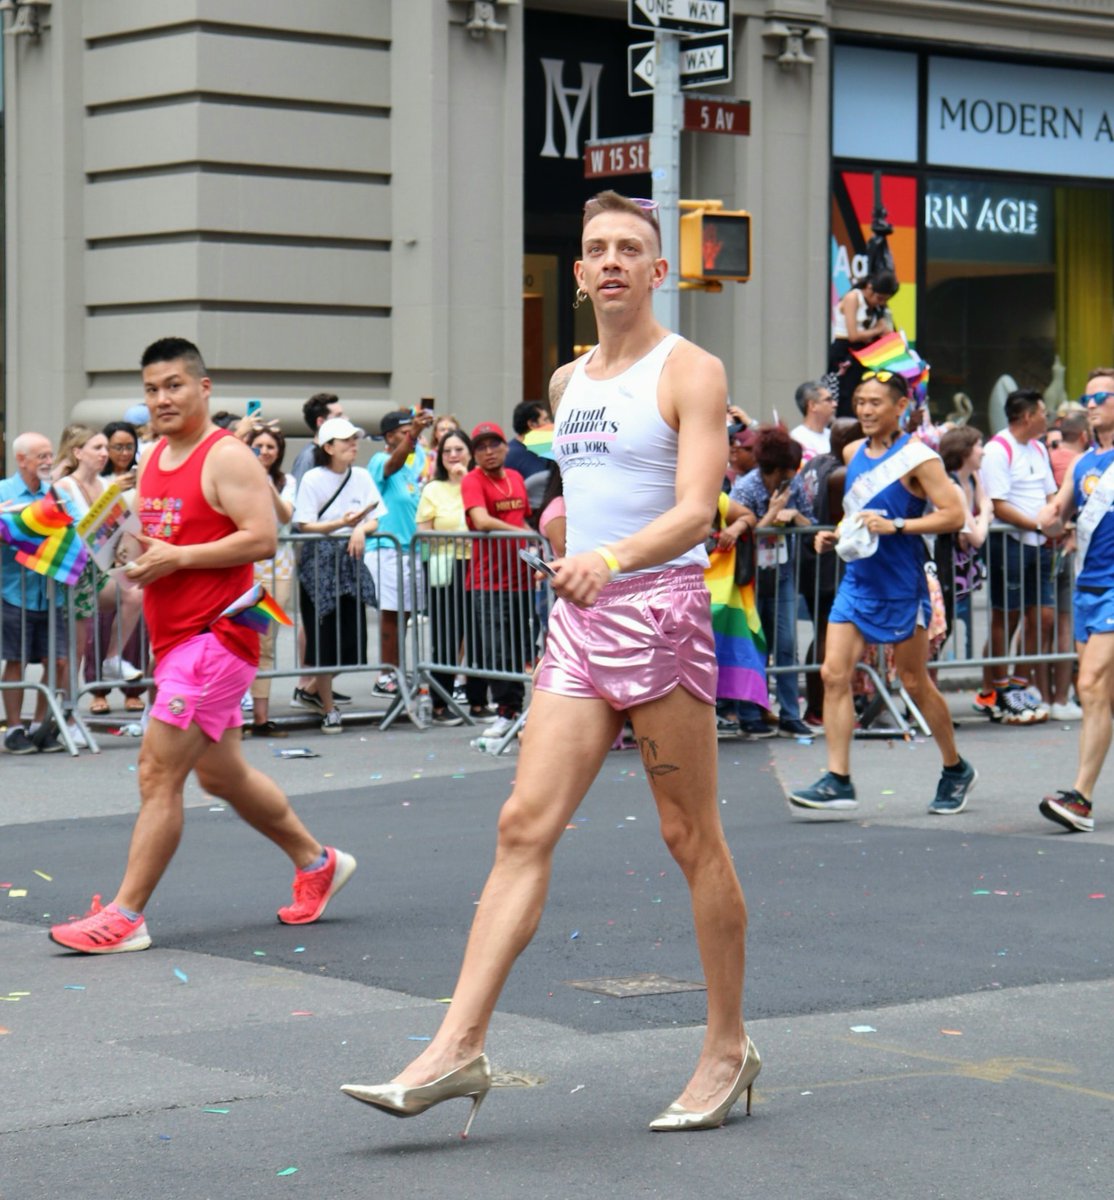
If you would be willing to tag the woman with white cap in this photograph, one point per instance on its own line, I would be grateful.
(340, 500)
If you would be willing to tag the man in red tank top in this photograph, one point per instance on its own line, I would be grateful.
(207, 515)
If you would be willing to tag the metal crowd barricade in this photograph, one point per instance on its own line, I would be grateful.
(815, 578)
(475, 626)
(315, 560)
(37, 595)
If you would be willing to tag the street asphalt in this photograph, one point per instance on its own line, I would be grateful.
(931, 996)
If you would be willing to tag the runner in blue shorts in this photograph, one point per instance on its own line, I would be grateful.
(883, 597)
(1088, 493)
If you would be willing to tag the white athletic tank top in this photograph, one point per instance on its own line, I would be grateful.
(618, 457)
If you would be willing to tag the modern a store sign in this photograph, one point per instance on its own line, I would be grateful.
(1036, 120)
(969, 221)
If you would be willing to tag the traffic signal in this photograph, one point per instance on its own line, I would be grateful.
(715, 242)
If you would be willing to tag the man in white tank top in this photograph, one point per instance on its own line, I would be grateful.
(638, 420)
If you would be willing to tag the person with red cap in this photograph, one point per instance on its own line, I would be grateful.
(494, 498)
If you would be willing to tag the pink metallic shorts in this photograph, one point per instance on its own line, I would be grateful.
(644, 635)
(200, 682)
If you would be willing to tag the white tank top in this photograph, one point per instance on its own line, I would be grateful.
(617, 455)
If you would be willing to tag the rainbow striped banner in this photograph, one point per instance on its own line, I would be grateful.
(44, 539)
(740, 642)
(892, 353)
(256, 609)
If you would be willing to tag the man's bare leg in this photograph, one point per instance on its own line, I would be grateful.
(1095, 686)
(166, 758)
(548, 789)
(224, 772)
(677, 738)
(911, 660)
(843, 651)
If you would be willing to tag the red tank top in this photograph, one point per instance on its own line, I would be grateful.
(173, 508)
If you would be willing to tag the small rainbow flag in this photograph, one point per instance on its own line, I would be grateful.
(256, 609)
(540, 441)
(891, 353)
(740, 642)
(44, 539)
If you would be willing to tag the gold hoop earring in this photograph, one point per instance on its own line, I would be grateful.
(581, 296)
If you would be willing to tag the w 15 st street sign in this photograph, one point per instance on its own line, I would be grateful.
(679, 16)
(704, 61)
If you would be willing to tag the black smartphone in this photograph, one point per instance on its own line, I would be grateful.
(536, 563)
(427, 403)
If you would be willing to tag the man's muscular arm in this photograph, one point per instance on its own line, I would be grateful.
(558, 381)
(235, 484)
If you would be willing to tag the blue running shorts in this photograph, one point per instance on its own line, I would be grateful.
(880, 621)
(1094, 613)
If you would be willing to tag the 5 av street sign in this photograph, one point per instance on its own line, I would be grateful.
(679, 16)
(704, 61)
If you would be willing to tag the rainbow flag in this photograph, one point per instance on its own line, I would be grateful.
(892, 353)
(540, 441)
(44, 539)
(256, 609)
(740, 642)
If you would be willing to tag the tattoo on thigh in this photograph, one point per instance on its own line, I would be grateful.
(648, 748)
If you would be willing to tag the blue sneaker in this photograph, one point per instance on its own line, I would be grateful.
(828, 792)
(952, 791)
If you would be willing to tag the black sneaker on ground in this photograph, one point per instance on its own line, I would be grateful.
(332, 722)
(953, 789)
(794, 727)
(50, 743)
(264, 729)
(304, 699)
(827, 792)
(446, 716)
(756, 730)
(16, 741)
(341, 698)
(726, 727)
(1070, 809)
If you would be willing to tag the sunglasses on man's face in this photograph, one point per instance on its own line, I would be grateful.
(1095, 398)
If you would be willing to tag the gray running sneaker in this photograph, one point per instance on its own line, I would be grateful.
(827, 792)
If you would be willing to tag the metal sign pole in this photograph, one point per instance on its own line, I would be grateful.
(665, 170)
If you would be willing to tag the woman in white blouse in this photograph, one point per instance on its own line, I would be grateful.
(340, 500)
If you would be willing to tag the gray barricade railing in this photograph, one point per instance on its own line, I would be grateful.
(971, 618)
(309, 559)
(37, 596)
(474, 626)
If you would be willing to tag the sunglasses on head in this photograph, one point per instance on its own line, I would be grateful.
(1095, 398)
(649, 207)
(886, 377)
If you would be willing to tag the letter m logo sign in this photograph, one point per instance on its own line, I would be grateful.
(586, 98)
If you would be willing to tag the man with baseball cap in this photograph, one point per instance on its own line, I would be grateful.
(494, 498)
(397, 472)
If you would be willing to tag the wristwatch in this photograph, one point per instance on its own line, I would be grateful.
(899, 524)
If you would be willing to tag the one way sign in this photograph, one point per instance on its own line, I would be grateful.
(704, 61)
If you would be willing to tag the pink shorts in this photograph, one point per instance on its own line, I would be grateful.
(201, 682)
(644, 635)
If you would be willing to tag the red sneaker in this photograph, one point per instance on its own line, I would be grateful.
(314, 889)
(103, 931)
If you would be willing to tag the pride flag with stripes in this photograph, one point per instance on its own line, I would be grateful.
(740, 642)
(256, 609)
(892, 353)
(44, 539)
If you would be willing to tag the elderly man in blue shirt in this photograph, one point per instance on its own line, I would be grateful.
(26, 615)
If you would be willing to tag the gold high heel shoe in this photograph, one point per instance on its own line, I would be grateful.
(677, 1117)
(472, 1080)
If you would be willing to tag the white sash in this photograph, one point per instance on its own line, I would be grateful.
(888, 471)
(1097, 506)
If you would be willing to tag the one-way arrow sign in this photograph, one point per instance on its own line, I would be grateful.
(679, 16)
(704, 61)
